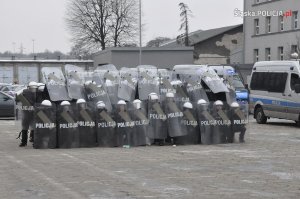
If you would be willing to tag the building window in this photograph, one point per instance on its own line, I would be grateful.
(268, 54)
(256, 26)
(256, 55)
(281, 23)
(280, 53)
(268, 24)
(294, 49)
(295, 20)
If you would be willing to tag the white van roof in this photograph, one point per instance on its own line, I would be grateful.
(277, 66)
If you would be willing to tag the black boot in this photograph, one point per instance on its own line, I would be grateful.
(23, 138)
(31, 134)
(242, 135)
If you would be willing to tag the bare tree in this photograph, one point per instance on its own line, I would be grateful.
(124, 22)
(156, 42)
(185, 13)
(97, 24)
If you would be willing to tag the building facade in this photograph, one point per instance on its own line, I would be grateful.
(271, 30)
(159, 57)
(25, 71)
(215, 46)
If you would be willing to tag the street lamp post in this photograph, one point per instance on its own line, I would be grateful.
(140, 20)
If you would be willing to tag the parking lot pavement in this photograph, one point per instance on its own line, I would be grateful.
(266, 166)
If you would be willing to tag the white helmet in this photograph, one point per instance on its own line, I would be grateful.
(40, 84)
(218, 103)
(41, 88)
(170, 95)
(65, 103)
(137, 103)
(33, 85)
(201, 101)
(46, 103)
(188, 105)
(80, 101)
(100, 104)
(235, 105)
(176, 82)
(121, 102)
(88, 83)
(153, 96)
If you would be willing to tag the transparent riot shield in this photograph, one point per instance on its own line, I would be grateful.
(68, 131)
(194, 88)
(193, 131)
(212, 80)
(106, 128)
(165, 86)
(110, 80)
(125, 125)
(45, 132)
(139, 116)
(148, 81)
(173, 110)
(128, 84)
(86, 125)
(96, 92)
(158, 125)
(181, 94)
(25, 103)
(74, 75)
(239, 117)
(55, 83)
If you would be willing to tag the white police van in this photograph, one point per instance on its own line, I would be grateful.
(275, 91)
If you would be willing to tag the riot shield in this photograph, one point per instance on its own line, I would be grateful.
(106, 128)
(45, 133)
(238, 114)
(111, 84)
(148, 81)
(158, 126)
(194, 88)
(212, 80)
(221, 123)
(68, 132)
(139, 116)
(125, 125)
(165, 86)
(25, 102)
(86, 125)
(181, 94)
(173, 110)
(74, 75)
(55, 84)
(95, 93)
(205, 121)
(190, 121)
(128, 84)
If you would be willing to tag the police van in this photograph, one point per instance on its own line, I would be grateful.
(275, 91)
(228, 71)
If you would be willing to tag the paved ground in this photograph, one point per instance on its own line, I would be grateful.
(266, 166)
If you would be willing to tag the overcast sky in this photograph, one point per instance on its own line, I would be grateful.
(43, 21)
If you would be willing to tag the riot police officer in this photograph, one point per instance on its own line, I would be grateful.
(25, 111)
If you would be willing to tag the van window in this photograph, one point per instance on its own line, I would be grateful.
(294, 80)
(272, 82)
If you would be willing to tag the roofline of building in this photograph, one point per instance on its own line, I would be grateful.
(45, 61)
(137, 49)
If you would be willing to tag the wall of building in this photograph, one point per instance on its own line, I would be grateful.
(162, 58)
(275, 38)
(22, 72)
(217, 50)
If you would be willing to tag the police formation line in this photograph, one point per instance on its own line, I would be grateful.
(137, 123)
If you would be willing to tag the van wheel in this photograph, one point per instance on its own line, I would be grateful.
(260, 116)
